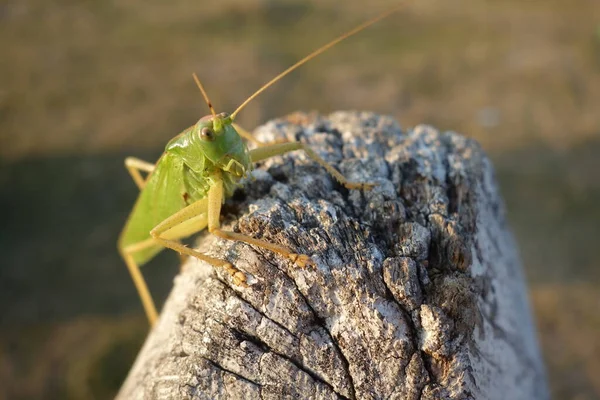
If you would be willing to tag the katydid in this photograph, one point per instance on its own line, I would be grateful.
(183, 192)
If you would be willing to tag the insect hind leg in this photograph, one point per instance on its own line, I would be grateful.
(185, 222)
(138, 278)
(302, 260)
(215, 199)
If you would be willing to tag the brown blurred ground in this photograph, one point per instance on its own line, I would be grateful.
(85, 83)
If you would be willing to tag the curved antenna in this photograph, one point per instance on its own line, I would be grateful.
(212, 110)
(316, 53)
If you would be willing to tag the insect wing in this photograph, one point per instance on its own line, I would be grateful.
(162, 197)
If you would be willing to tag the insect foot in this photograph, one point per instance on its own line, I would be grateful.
(302, 260)
(239, 278)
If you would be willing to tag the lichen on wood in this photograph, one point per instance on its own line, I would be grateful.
(417, 290)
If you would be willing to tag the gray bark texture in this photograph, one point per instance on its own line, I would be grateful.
(417, 292)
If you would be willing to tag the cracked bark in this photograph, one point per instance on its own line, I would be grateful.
(417, 293)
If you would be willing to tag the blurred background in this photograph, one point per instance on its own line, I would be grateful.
(83, 84)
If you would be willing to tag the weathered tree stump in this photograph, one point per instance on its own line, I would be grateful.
(417, 292)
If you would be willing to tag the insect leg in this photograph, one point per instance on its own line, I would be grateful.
(215, 199)
(186, 228)
(281, 148)
(134, 166)
(138, 278)
(185, 222)
(248, 136)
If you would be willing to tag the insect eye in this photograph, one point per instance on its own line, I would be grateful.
(223, 115)
(207, 134)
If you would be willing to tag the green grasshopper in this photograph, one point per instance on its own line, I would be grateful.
(183, 192)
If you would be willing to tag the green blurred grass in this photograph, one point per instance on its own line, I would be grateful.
(84, 83)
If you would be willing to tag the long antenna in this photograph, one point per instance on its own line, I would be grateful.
(212, 110)
(316, 53)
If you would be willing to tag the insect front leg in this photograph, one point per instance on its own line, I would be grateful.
(134, 166)
(215, 199)
(248, 136)
(281, 148)
(186, 222)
